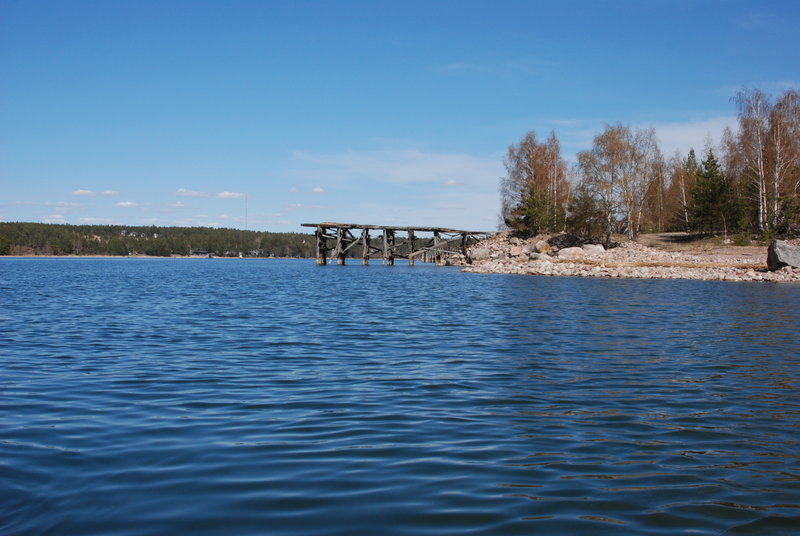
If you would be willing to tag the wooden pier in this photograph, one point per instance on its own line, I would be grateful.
(393, 243)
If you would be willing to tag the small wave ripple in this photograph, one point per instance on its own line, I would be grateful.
(277, 397)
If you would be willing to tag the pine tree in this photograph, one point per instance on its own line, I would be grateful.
(709, 197)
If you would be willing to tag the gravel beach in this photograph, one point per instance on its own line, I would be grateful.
(505, 254)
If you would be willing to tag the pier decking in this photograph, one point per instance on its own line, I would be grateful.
(392, 245)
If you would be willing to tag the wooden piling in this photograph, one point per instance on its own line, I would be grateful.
(437, 252)
(340, 252)
(365, 246)
(388, 246)
(322, 252)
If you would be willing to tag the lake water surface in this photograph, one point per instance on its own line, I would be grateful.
(161, 396)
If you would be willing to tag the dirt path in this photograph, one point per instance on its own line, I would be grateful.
(687, 243)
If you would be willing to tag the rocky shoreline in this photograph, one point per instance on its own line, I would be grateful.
(504, 253)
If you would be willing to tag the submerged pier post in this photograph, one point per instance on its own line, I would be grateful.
(411, 247)
(437, 252)
(322, 250)
(365, 246)
(341, 254)
(388, 246)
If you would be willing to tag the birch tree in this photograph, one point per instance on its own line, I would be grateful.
(535, 190)
(619, 172)
(783, 152)
(754, 109)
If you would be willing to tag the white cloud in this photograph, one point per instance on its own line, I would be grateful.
(92, 193)
(672, 136)
(222, 195)
(451, 182)
(54, 218)
(691, 135)
(125, 204)
(318, 190)
(95, 220)
(177, 204)
(297, 206)
(190, 193)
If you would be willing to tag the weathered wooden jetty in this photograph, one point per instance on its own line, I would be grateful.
(339, 238)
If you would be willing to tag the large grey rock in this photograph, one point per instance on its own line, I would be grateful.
(594, 248)
(571, 253)
(542, 247)
(480, 254)
(780, 254)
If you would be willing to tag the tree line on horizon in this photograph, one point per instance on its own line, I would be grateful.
(22, 238)
(748, 186)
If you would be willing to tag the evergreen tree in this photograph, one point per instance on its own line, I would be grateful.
(709, 197)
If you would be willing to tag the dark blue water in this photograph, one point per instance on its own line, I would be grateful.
(278, 397)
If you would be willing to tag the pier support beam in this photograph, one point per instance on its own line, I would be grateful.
(365, 246)
(340, 252)
(410, 247)
(437, 251)
(388, 246)
(322, 249)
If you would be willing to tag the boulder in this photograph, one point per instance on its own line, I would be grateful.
(516, 251)
(564, 241)
(542, 247)
(780, 254)
(594, 248)
(571, 253)
(539, 257)
(480, 253)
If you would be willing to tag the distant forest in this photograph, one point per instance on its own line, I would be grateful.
(57, 239)
(746, 187)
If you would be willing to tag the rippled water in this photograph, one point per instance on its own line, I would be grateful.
(278, 397)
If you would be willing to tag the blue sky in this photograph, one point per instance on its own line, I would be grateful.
(264, 115)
